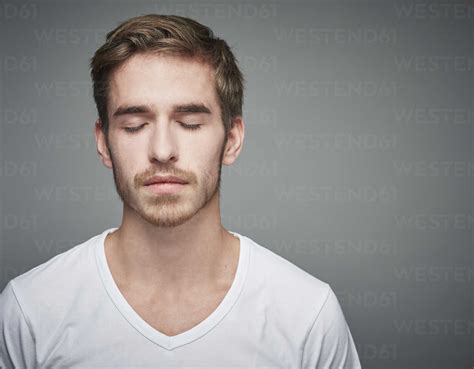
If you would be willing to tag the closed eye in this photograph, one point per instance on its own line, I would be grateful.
(186, 126)
(190, 126)
(133, 129)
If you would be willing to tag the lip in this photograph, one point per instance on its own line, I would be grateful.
(165, 187)
(165, 180)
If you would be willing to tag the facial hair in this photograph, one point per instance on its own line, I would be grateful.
(166, 210)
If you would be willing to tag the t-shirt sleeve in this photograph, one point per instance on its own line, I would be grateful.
(329, 344)
(17, 344)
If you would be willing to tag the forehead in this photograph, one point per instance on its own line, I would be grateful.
(162, 81)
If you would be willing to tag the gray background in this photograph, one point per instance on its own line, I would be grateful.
(357, 162)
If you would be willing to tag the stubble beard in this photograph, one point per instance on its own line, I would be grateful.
(168, 211)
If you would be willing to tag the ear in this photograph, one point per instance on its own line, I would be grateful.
(235, 140)
(101, 143)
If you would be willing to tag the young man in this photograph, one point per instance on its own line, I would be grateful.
(170, 287)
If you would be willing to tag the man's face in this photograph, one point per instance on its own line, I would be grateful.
(163, 145)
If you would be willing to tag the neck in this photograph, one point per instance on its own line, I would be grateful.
(198, 254)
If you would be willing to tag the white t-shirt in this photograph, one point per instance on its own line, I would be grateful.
(69, 313)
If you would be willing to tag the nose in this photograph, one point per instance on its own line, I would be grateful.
(162, 145)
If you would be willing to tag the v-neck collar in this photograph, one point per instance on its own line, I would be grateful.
(171, 342)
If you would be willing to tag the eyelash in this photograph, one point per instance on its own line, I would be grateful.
(190, 127)
(132, 129)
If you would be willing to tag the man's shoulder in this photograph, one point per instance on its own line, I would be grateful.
(60, 272)
(53, 293)
(287, 285)
(286, 273)
(290, 297)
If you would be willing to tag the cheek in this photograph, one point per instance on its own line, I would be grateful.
(207, 153)
(124, 160)
(125, 150)
(203, 162)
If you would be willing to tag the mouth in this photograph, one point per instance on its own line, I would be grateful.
(160, 188)
(164, 180)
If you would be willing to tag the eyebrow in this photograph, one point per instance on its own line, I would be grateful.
(141, 109)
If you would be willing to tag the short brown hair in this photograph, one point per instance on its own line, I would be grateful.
(173, 35)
